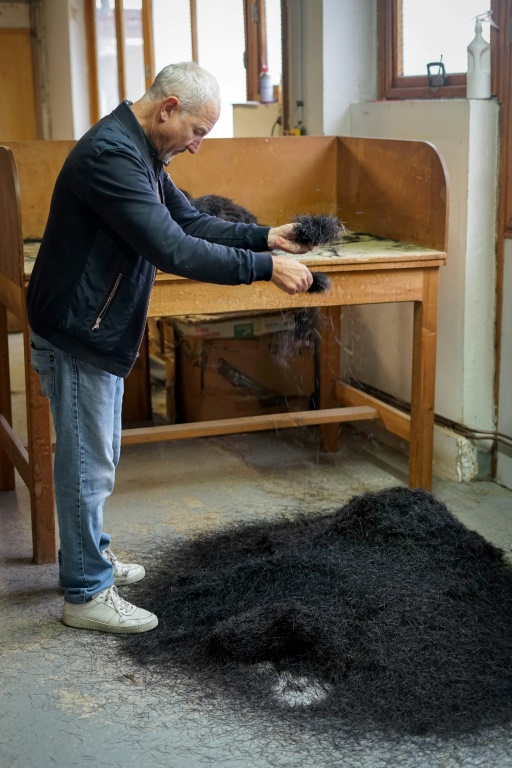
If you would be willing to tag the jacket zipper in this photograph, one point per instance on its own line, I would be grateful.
(144, 328)
(107, 304)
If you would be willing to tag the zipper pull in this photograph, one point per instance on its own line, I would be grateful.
(96, 324)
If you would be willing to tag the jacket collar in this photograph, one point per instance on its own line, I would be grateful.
(125, 116)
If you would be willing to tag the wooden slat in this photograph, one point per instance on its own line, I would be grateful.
(121, 65)
(6, 466)
(15, 449)
(38, 164)
(92, 60)
(40, 480)
(329, 363)
(391, 418)
(364, 287)
(148, 42)
(413, 207)
(246, 424)
(11, 296)
(423, 384)
(193, 31)
(223, 166)
(11, 243)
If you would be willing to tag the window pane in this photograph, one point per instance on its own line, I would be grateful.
(107, 56)
(221, 44)
(439, 28)
(273, 19)
(171, 32)
(133, 49)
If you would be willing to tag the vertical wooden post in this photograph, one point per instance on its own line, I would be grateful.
(6, 465)
(423, 384)
(121, 57)
(148, 42)
(40, 463)
(329, 372)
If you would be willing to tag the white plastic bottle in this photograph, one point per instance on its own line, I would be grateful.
(478, 81)
(266, 89)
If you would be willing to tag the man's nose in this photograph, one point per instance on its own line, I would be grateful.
(194, 145)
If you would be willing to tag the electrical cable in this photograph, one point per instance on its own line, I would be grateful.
(277, 122)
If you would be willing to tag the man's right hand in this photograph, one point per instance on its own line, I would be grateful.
(290, 275)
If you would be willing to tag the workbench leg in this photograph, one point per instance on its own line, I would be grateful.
(40, 464)
(329, 368)
(6, 465)
(423, 384)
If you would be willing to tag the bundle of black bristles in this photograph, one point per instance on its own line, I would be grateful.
(309, 230)
(387, 613)
(314, 231)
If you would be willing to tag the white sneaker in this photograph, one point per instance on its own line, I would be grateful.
(108, 612)
(124, 573)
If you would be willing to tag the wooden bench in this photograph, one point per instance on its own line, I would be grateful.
(393, 190)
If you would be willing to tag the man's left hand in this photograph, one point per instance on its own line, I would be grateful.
(279, 237)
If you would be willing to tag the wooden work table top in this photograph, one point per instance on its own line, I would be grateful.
(357, 251)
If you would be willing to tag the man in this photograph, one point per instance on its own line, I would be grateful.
(115, 218)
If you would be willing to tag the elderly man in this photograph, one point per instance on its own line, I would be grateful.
(115, 218)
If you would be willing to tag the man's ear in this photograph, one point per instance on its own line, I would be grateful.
(168, 106)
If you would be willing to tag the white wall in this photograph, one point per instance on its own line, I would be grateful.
(504, 468)
(14, 15)
(465, 133)
(67, 68)
(305, 65)
(79, 68)
(333, 61)
(349, 60)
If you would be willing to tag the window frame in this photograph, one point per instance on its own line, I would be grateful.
(393, 85)
(92, 52)
(255, 47)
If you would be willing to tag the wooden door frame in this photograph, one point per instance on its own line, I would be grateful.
(502, 78)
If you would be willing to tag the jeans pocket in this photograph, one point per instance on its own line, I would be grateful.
(43, 361)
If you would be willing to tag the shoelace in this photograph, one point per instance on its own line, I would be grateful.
(118, 603)
(116, 565)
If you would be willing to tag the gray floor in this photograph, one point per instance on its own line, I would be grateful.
(68, 698)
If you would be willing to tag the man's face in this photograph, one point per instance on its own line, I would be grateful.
(181, 131)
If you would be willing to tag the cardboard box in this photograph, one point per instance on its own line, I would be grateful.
(234, 325)
(219, 378)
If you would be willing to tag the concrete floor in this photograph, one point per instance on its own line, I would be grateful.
(68, 697)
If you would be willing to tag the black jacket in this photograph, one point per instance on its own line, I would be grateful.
(107, 232)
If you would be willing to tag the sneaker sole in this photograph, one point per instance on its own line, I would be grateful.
(81, 623)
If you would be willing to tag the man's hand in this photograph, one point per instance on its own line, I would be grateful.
(278, 237)
(290, 276)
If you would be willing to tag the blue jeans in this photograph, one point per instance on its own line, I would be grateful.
(86, 409)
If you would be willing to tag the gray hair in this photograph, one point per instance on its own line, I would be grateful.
(189, 82)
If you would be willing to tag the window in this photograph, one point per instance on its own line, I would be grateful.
(413, 34)
(129, 41)
(119, 52)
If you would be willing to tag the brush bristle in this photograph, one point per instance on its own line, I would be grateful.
(316, 230)
(321, 283)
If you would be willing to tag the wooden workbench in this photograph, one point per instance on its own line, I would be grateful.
(395, 190)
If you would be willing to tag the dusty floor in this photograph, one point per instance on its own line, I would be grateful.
(69, 698)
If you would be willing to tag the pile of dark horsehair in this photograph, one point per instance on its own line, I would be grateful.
(222, 208)
(316, 230)
(387, 613)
